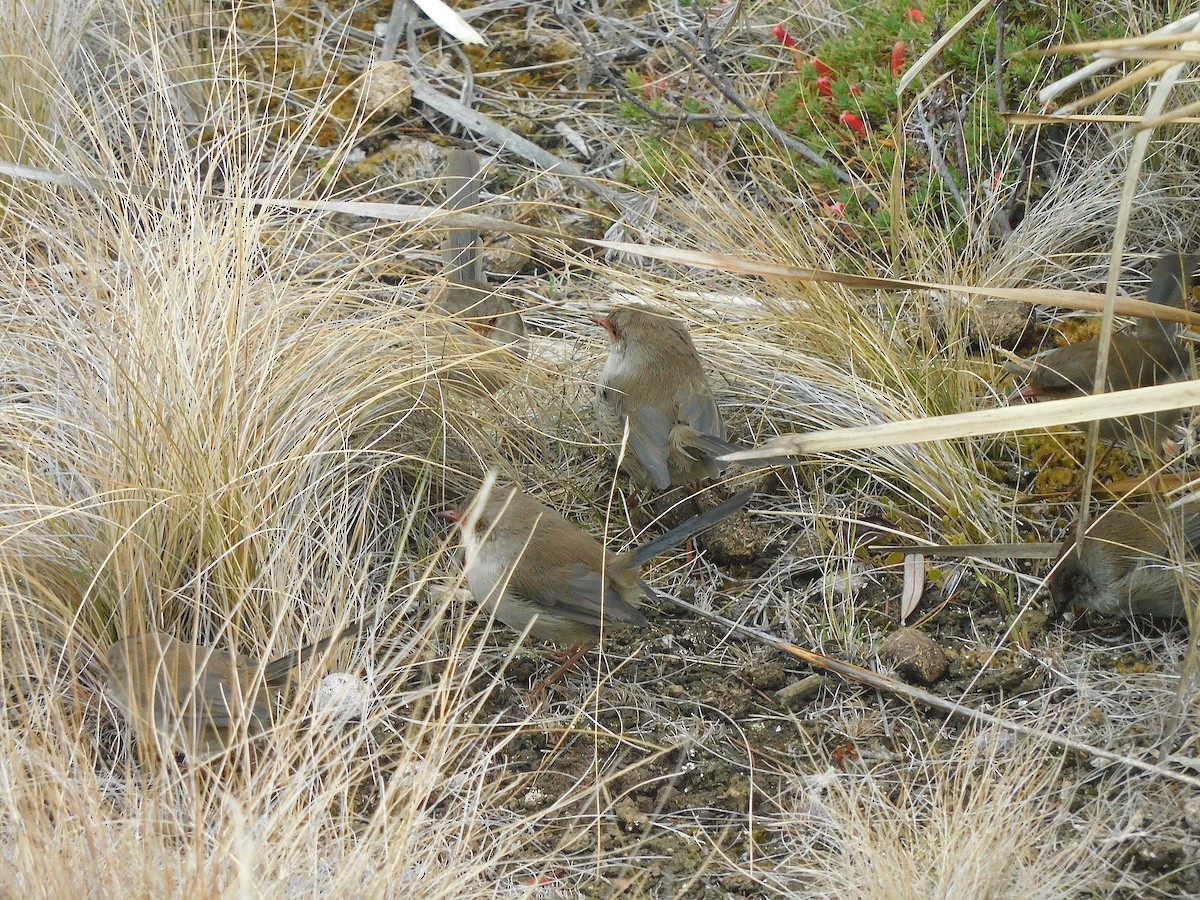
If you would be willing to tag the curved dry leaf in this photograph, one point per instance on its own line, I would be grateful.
(445, 18)
(914, 584)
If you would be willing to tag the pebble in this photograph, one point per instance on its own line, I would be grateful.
(916, 656)
(388, 89)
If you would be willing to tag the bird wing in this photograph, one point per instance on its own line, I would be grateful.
(227, 701)
(651, 431)
(1191, 532)
(588, 586)
(580, 597)
(650, 440)
(699, 409)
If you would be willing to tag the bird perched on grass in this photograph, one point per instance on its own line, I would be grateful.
(1128, 564)
(199, 700)
(654, 381)
(1150, 354)
(535, 570)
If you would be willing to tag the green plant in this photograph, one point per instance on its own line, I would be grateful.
(944, 140)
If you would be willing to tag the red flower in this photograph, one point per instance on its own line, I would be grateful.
(784, 38)
(897, 57)
(844, 755)
(852, 121)
(855, 89)
(821, 68)
(824, 88)
(915, 14)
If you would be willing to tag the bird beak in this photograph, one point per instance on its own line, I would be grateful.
(603, 321)
(450, 515)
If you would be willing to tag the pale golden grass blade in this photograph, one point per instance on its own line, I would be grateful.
(1030, 550)
(939, 45)
(1179, 117)
(1163, 35)
(438, 218)
(943, 831)
(981, 422)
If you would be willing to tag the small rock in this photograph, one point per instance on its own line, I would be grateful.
(388, 89)
(535, 798)
(999, 322)
(916, 656)
(629, 816)
(736, 541)
(796, 694)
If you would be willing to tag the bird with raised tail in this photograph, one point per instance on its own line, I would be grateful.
(467, 294)
(654, 381)
(200, 700)
(536, 571)
(1129, 562)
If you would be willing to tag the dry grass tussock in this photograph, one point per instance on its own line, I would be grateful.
(216, 420)
(982, 816)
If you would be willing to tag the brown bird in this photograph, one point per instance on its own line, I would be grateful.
(467, 294)
(654, 381)
(537, 571)
(1128, 564)
(1149, 354)
(195, 699)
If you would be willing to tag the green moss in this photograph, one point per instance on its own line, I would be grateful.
(650, 163)
(852, 72)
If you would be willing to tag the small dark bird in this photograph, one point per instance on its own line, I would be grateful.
(536, 570)
(467, 294)
(1150, 354)
(654, 381)
(196, 699)
(1128, 564)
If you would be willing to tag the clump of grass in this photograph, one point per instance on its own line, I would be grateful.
(202, 436)
(215, 421)
(985, 814)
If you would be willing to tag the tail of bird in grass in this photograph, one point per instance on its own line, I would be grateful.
(467, 293)
(460, 255)
(685, 531)
(279, 670)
